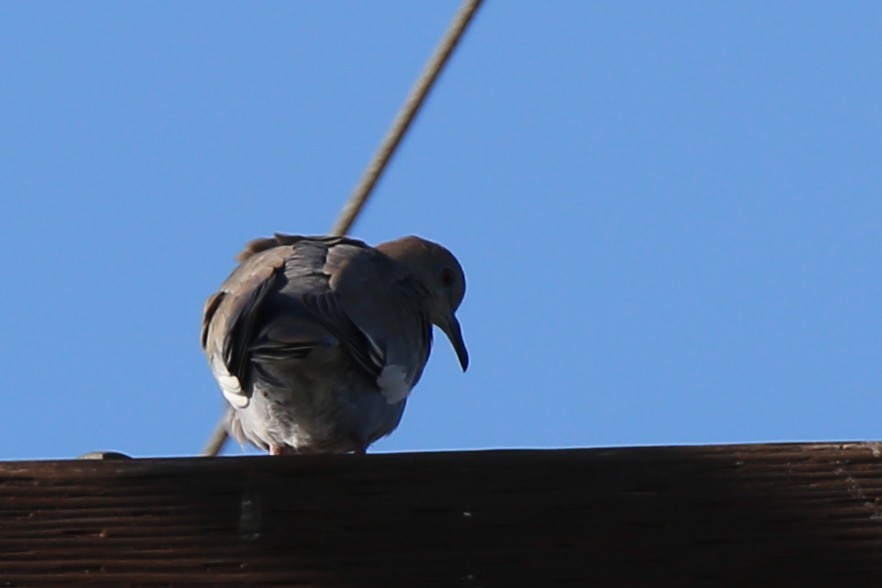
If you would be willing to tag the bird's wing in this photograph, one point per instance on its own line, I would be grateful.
(385, 303)
(291, 294)
(229, 321)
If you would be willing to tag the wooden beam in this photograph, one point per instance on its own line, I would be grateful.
(748, 515)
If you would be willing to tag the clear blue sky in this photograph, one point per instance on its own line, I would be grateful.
(670, 214)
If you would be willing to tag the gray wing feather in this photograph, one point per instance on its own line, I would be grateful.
(384, 301)
(292, 293)
(230, 315)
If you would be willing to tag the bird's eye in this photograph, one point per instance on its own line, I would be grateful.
(447, 276)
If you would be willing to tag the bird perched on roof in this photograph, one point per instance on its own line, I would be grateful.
(316, 342)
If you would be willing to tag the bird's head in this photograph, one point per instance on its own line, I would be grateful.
(440, 274)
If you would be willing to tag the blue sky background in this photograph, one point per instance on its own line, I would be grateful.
(670, 214)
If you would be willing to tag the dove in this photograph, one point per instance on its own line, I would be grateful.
(317, 342)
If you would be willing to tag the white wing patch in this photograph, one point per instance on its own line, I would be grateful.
(375, 351)
(229, 384)
(393, 383)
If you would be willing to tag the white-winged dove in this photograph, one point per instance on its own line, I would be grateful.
(316, 342)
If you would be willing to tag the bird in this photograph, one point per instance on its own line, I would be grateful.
(317, 341)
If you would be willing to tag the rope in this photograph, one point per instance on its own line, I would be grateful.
(405, 116)
(383, 155)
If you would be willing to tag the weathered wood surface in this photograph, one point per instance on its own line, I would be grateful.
(752, 515)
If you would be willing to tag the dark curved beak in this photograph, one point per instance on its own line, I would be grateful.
(453, 331)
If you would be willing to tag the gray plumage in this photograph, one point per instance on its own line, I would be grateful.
(316, 342)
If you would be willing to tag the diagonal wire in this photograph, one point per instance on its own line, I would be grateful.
(405, 116)
(383, 155)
